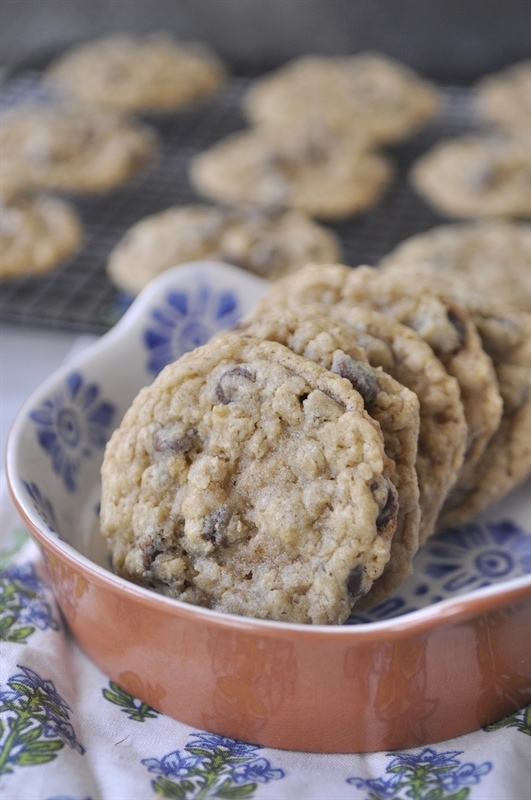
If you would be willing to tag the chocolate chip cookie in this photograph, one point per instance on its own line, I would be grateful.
(250, 480)
(334, 180)
(505, 334)
(333, 345)
(368, 92)
(492, 256)
(268, 243)
(70, 149)
(476, 176)
(36, 234)
(445, 326)
(143, 73)
(503, 100)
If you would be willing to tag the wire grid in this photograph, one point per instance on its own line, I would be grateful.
(78, 296)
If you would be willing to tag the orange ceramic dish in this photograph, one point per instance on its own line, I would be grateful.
(449, 653)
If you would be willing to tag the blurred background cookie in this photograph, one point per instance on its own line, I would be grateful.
(68, 148)
(36, 234)
(270, 244)
(474, 176)
(494, 256)
(503, 100)
(336, 180)
(151, 72)
(369, 92)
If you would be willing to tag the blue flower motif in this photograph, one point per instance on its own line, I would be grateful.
(20, 588)
(24, 574)
(32, 701)
(380, 787)
(42, 505)
(454, 561)
(186, 320)
(259, 770)
(428, 757)
(427, 774)
(211, 766)
(172, 765)
(478, 555)
(211, 741)
(466, 775)
(71, 425)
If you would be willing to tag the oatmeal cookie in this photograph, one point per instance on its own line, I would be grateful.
(270, 244)
(505, 334)
(70, 149)
(396, 409)
(341, 94)
(493, 256)
(447, 327)
(127, 73)
(337, 179)
(503, 99)
(250, 480)
(475, 176)
(404, 355)
(36, 234)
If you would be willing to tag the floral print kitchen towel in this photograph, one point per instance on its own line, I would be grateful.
(68, 733)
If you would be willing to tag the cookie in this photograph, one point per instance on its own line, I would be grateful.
(445, 326)
(368, 92)
(250, 480)
(36, 234)
(506, 337)
(475, 176)
(70, 149)
(493, 257)
(332, 345)
(335, 180)
(127, 73)
(267, 243)
(503, 100)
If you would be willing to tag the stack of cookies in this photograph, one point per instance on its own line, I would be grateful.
(290, 469)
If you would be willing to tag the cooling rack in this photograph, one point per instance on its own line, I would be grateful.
(78, 296)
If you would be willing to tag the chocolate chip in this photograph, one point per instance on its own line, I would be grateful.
(355, 582)
(456, 321)
(359, 374)
(230, 382)
(388, 510)
(150, 550)
(170, 440)
(216, 525)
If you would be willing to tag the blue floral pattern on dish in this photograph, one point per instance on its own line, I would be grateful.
(42, 505)
(187, 319)
(71, 424)
(456, 561)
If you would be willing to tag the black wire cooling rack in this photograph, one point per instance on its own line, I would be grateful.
(78, 296)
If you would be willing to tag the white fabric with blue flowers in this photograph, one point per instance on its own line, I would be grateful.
(68, 733)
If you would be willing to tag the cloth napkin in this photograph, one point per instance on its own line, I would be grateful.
(69, 733)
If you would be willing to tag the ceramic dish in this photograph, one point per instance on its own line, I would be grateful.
(448, 653)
